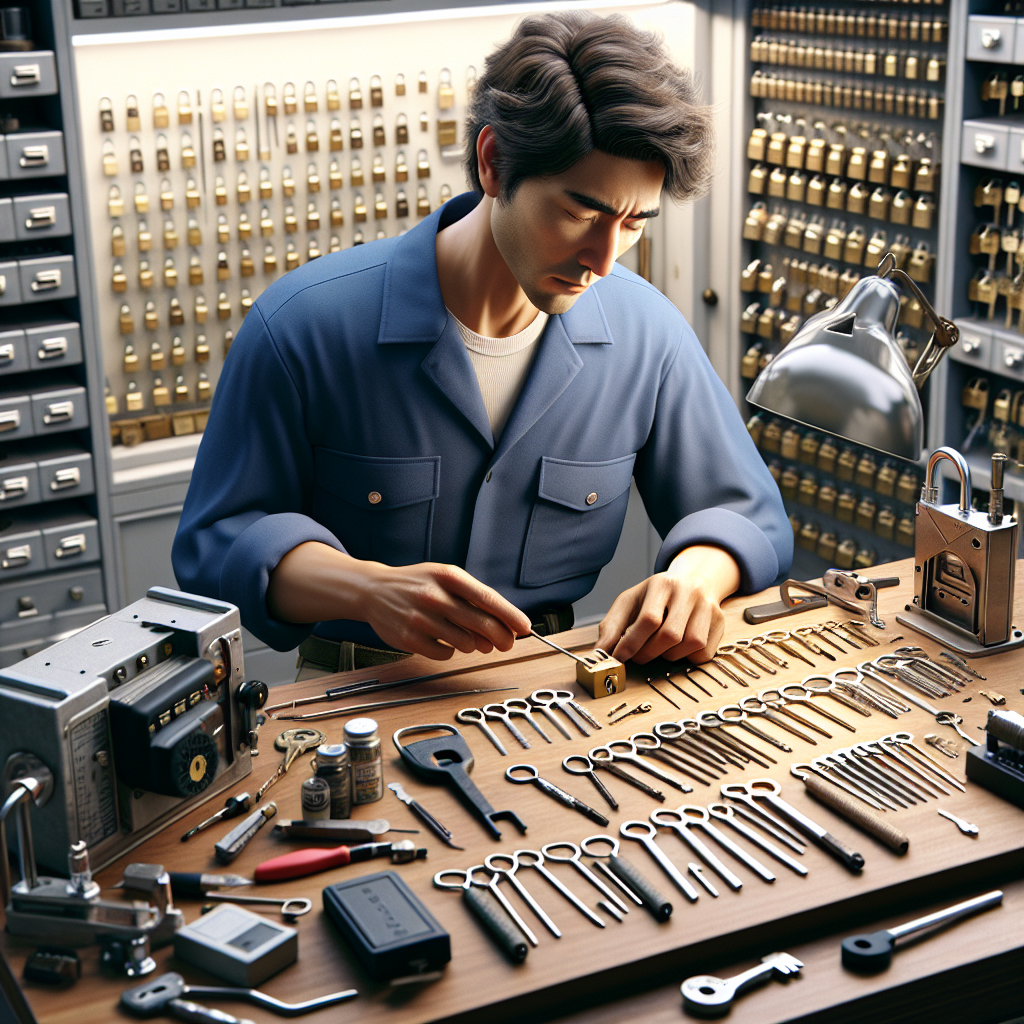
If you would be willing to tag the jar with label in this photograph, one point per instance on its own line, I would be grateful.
(332, 765)
(363, 741)
(316, 799)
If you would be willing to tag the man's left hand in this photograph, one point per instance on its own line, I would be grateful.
(673, 614)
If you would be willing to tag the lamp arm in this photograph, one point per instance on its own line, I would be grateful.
(945, 335)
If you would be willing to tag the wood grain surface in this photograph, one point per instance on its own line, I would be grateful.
(588, 964)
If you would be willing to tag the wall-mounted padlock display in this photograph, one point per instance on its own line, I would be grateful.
(244, 226)
(334, 176)
(287, 182)
(336, 136)
(359, 208)
(163, 159)
(291, 257)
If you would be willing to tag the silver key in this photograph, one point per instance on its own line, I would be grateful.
(474, 716)
(503, 713)
(965, 826)
(954, 720)
(708, 996)
(291, 742)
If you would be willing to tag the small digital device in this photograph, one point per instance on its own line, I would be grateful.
(238, 946)
(390, 931)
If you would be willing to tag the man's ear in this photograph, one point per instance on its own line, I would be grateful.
(486, 153)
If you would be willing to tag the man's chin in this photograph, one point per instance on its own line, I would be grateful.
(554, 303)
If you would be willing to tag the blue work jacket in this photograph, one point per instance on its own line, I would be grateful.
(348, 412)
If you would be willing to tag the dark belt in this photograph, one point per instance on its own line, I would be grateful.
(345, 655)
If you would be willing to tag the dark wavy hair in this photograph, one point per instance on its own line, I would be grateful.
(569, 83)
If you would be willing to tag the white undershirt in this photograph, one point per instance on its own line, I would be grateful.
(501, 366)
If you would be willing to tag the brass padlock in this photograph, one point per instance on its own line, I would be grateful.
(826, 498)
(422, 165)
(807, 493)
(355, 134)
(905, 531)
(132, 403)
(175, 314)
(291, 257)
(867, 469)
(853, 249)
(788, 330)
(885, 523)
(117, 242)
(220, 191)
(223, 306)
(846, 465)
(794, 230)
(826, 547)
(241, 146)
(815, 158)
(161, 393)
(157, 357)
(132, 120)
(170, 273)
(835, 241)
(876, 248)
(337, 216)
(106, 114)
(218, 108)
(857, 164)
(908, 488)
(857, 198)
(334, 179)
(447, 133)
(244, 226)
(355, 95)
(229, 338)
(790, 443)
(776, 150)
(924, 177)
(312, 178)
(835, 159)
(291, 222)
(827, 456)
(879, 204)
(424, 121)
(359, 208)
(166, 195)
(355, 173)
(753, 226)
(924, 208)
(223, 229)
(149, 318)
(195, 270)
(788, 483)
(808, 536)
(180, 389)
(836, 197)
(312, 138)
(748, 366)
(312, 217)
(287, 182)
(291, 139)
(748, 277)
(245, 303)
(246, 265)
(1001, 406)
(243, 191)
(131, 359)
(192, 194)
(170, 235)
(901, 209)
(757, 180)
(774, 227)
(795, 151)
(380, 206)
(203, 388)
(749, 317)
(899, 176)
(289, 98)
(135, 155)
(921, 260)
(846, 506)
(445, 90)
(115, 203)
(757, 144)
(184, 108)
(422, 201)
(145, 275)
(333, 97)
(223, 270)
(865, 558)
(200, 309)
(796, 187)
(885, 480)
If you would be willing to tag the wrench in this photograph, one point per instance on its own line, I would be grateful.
(707, 996)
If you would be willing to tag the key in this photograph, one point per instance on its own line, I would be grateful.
(640, 709)
(965, 826)
(695, 870)
(707, 996)
(953, 720)
(942, 745)
(553, 791)
(873, 952)
(475, 717)
(521, 706)
(570, 765)
(292, 742)
(233, 807)
(503, 713)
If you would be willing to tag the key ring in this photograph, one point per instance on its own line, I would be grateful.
(610, 840)
(529, 768)
(588, 770)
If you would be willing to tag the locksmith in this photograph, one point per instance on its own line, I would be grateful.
(426, 443)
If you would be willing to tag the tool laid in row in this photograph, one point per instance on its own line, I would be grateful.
(544, 701)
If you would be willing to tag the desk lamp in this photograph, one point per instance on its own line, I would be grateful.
(844, 373)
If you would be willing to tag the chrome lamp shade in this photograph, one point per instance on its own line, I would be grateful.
(844, 373)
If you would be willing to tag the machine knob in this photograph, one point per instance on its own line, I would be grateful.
(253, 694)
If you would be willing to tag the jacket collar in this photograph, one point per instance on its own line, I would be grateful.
(413, 310)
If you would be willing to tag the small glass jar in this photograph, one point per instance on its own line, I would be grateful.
(363, 741)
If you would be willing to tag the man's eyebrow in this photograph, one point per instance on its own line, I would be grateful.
(596, 204)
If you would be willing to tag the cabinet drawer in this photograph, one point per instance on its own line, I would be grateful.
(19, 484)
(21, 552)
(47, 278)
(1008, 359)
(975, 348)
(55, 411)
(13, 352)
(43, 216)
(71, 543)
(35, 154)
(31, 73)
(55, 593)
(4, 175)
(991, 39)
(66, 477)
(1015, 151)
(10, 284)
(7, 220)
(53, 345)
(984, 144)
(15, 417)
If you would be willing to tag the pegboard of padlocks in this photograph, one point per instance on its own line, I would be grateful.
(217, 160)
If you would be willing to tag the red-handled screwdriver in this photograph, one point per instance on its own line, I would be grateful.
(313, 860)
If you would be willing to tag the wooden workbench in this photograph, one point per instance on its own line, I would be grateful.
(632, 969)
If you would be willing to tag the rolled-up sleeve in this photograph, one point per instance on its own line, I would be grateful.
(702, 479)
(250, 497)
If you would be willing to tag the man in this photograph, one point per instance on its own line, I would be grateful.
(426, 443)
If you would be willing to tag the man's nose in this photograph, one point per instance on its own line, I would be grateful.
(601, 251)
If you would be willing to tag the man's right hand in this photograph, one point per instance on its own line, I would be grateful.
(428, 608)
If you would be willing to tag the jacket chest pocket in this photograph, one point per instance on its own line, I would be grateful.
(575, 524)
(380, 509)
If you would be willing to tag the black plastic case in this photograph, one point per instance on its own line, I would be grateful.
(389, 930)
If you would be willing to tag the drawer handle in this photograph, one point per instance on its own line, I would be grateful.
(64, 478)
(6, 354)
(59, 412)
(969, 344)
(71, 546)
(53, 348)
(35, 156)
(3, 284)
(47, 280)
(41, 217)
(27, 607)
(983, 143)
(10, 419)
(26, 74)
(1013, 357)
(16, 556)
(13, 487)
(991, 38)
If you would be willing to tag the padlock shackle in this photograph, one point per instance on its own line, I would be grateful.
(930, 493)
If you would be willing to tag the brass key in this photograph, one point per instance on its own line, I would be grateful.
(292, 742)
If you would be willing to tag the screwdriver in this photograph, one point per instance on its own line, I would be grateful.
(233, 807)
(312, 860)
